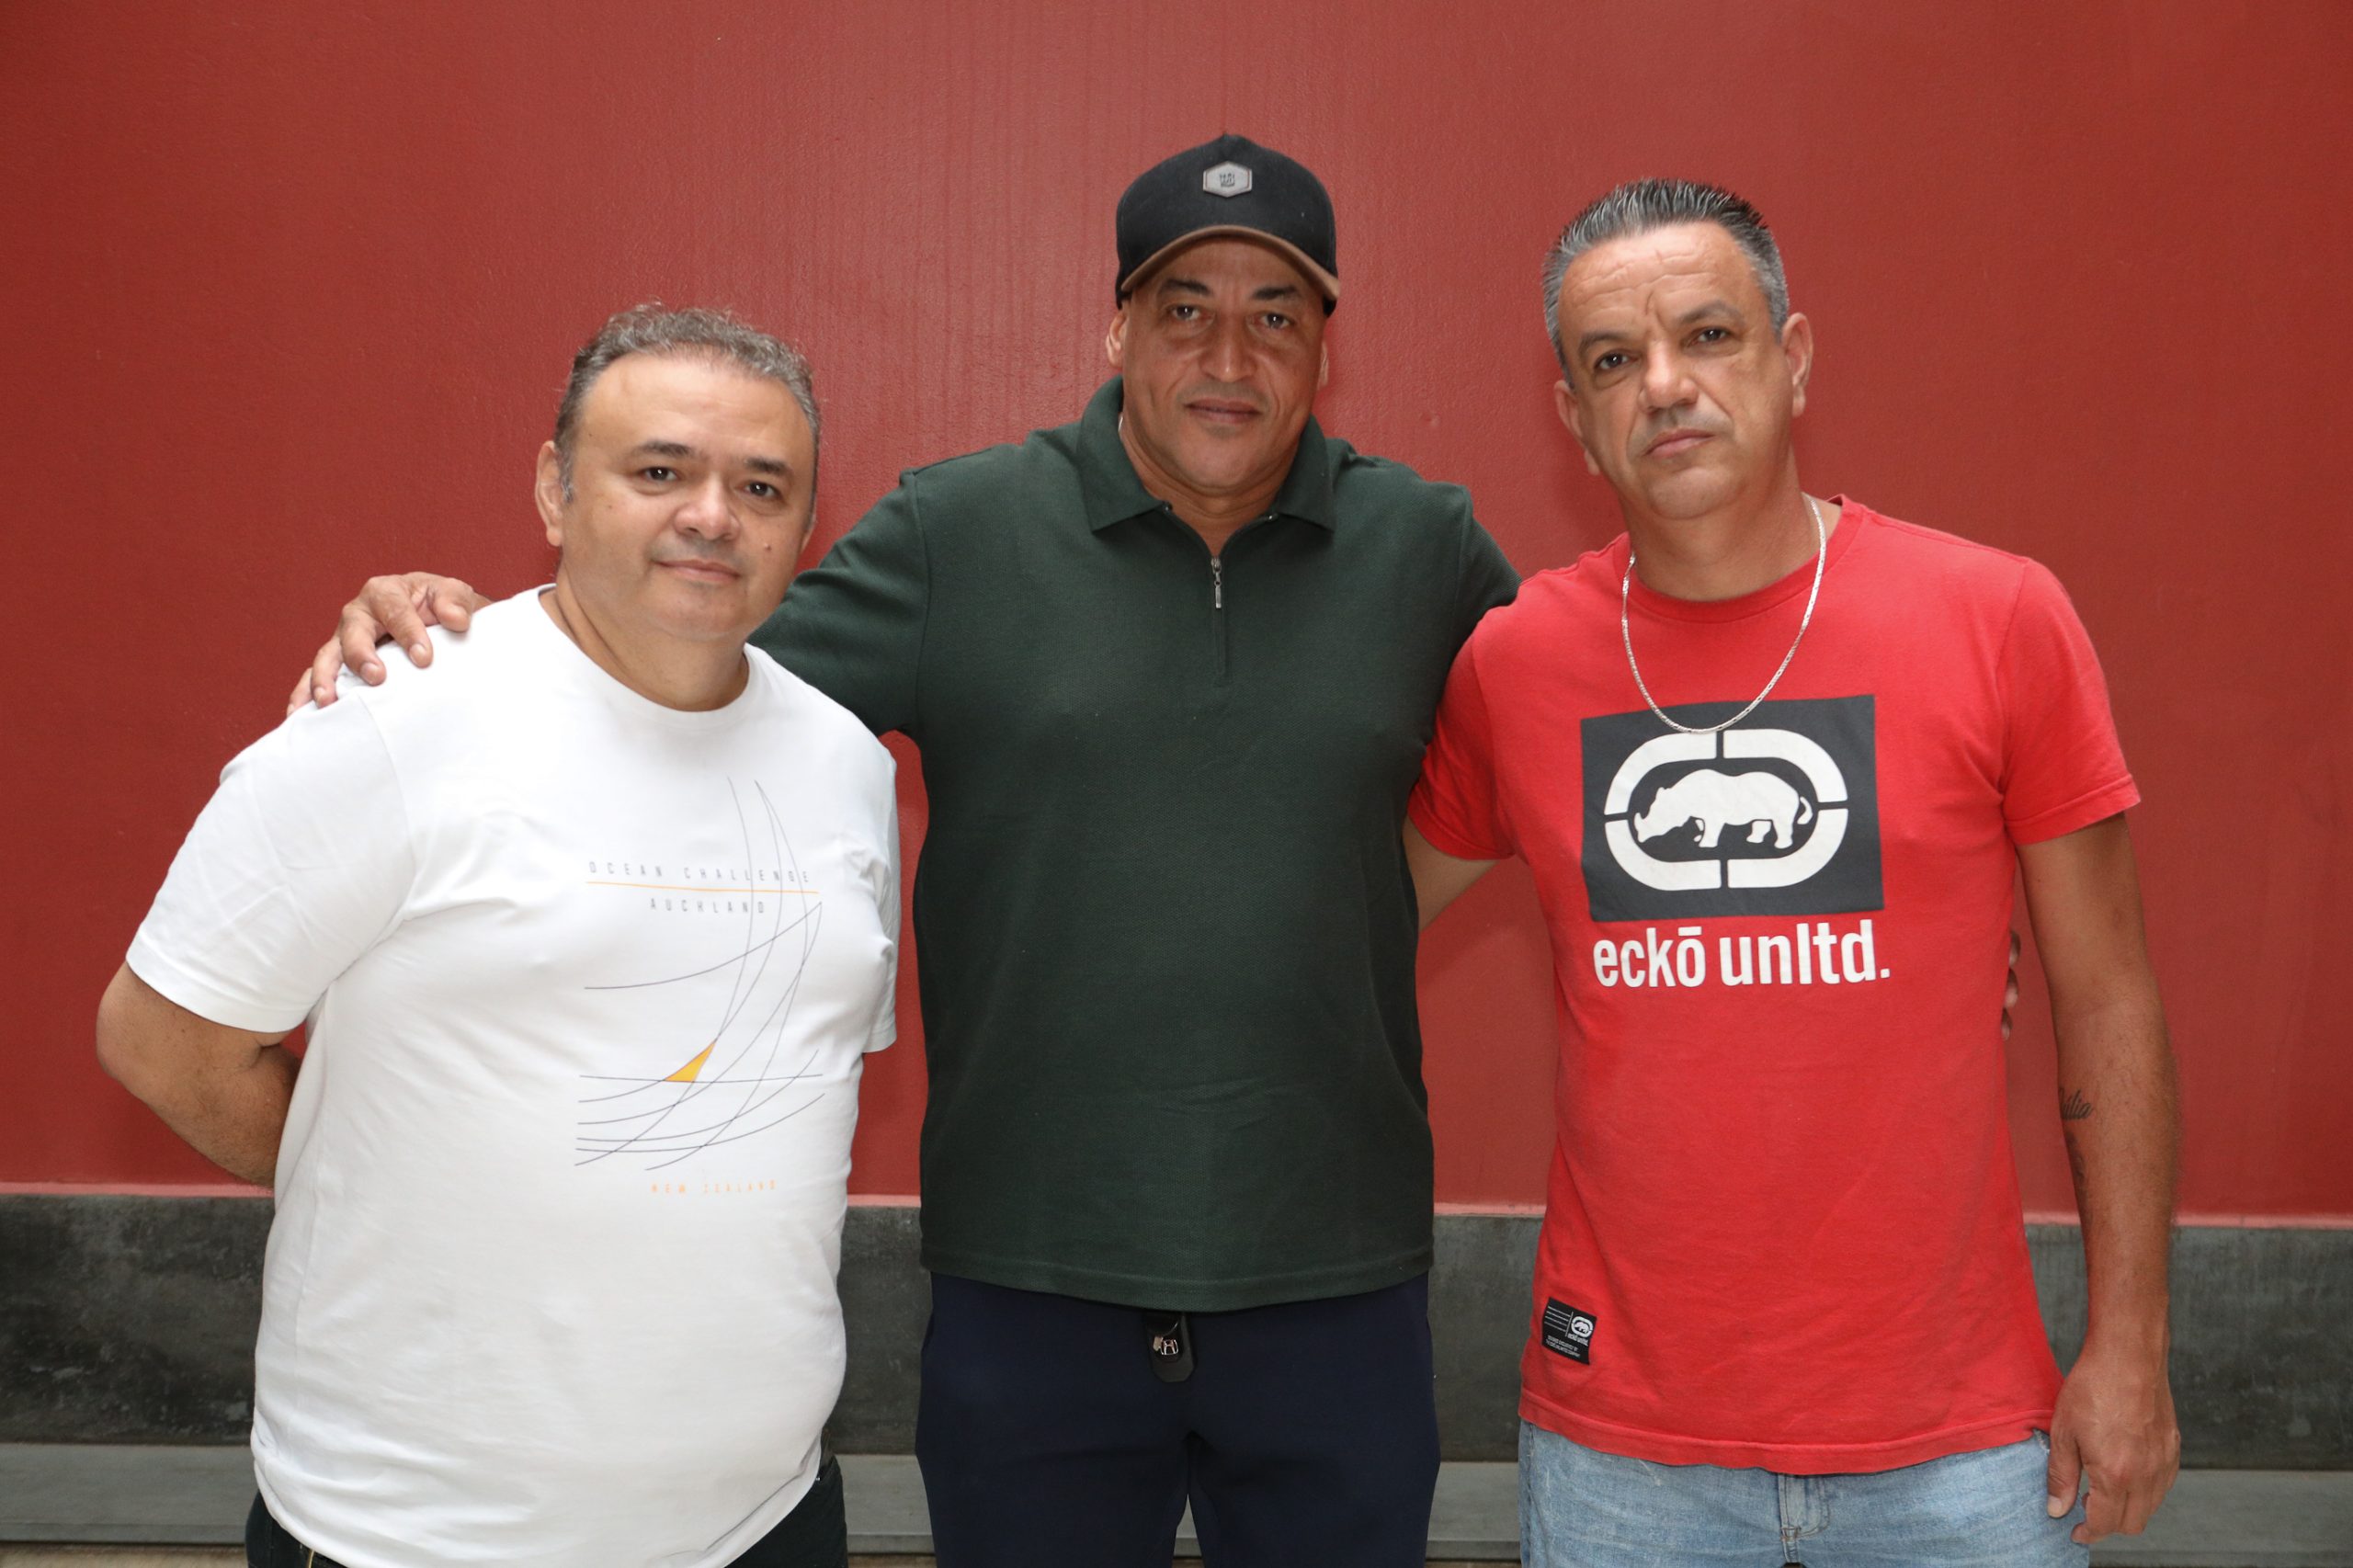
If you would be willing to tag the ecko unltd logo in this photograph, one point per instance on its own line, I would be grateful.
(1778, 815)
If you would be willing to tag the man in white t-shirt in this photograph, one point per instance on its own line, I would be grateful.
(591, 929)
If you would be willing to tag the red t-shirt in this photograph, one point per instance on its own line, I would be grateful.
(1782, 1226)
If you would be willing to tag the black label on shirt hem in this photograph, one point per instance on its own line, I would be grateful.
(1568, 1331)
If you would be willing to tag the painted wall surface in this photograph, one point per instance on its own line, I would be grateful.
(291, 285)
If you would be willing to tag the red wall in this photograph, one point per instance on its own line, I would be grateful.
(291, 286)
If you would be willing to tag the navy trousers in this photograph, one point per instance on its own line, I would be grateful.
(1305, 1435)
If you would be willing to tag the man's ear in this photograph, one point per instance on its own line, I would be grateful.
(547, 492)
(1115, 337)
(1797, 346)
(1564, 403)
(1324, 366)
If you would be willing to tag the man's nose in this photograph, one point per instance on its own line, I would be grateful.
(1227, 356)
(1667, 379)
(708, 510)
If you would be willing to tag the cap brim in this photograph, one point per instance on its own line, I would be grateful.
(1316, 275)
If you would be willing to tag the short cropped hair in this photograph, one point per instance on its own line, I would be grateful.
(1643, 205)
(714, 335)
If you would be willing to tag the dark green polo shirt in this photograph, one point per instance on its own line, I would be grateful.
(1162, 922)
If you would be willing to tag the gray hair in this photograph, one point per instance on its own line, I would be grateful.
(1639, 207)
(714, 335)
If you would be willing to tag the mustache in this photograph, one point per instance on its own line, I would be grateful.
(706, 555)
(1651, 434)
(1224, 394)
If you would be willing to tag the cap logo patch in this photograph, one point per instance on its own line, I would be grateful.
(1225, 179)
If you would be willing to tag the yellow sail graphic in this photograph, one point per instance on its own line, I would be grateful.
(687, 1073)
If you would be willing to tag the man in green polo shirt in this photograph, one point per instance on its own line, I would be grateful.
(1171, 669)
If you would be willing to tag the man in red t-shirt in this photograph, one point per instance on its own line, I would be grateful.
(1775, 762)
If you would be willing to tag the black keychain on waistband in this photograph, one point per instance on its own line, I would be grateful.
(1169, 1338)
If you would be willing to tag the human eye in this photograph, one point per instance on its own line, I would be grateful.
(1605, 363)
(1712, 334)
(1275, 320)
(660, 473)
(762, 490)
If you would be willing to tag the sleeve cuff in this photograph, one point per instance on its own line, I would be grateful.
(2078, 813)
(1447, 842)
(182, 989)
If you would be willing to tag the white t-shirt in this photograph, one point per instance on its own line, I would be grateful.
(561, 1194)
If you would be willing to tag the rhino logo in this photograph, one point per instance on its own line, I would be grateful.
(1762, 802)
(1779, 819)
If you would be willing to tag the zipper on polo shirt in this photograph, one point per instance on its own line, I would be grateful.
(1217, 594)
(1217, 616)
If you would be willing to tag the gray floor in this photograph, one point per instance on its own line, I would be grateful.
(58, 1500)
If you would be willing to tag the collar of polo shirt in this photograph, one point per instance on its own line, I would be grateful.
(1114, 494)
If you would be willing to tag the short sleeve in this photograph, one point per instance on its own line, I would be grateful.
(1484, 579)
(852, 626)
(2063, 767)
(1454, 803)
(301, 860)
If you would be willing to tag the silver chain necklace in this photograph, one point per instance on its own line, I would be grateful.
(1626, 629)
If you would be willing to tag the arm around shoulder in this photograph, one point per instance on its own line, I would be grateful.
(853, 625)
(387, 610)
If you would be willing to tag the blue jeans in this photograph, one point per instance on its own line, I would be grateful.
(1581, 1508)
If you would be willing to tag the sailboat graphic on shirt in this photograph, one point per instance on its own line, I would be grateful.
(742, 1081)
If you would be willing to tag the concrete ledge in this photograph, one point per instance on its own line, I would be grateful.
(131, 1318)
(147, 1495)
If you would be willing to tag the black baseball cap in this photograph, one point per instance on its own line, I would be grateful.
(1230, 186)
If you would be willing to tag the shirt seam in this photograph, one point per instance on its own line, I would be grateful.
(2002, 680)
(1927, 535)
(408, 816)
